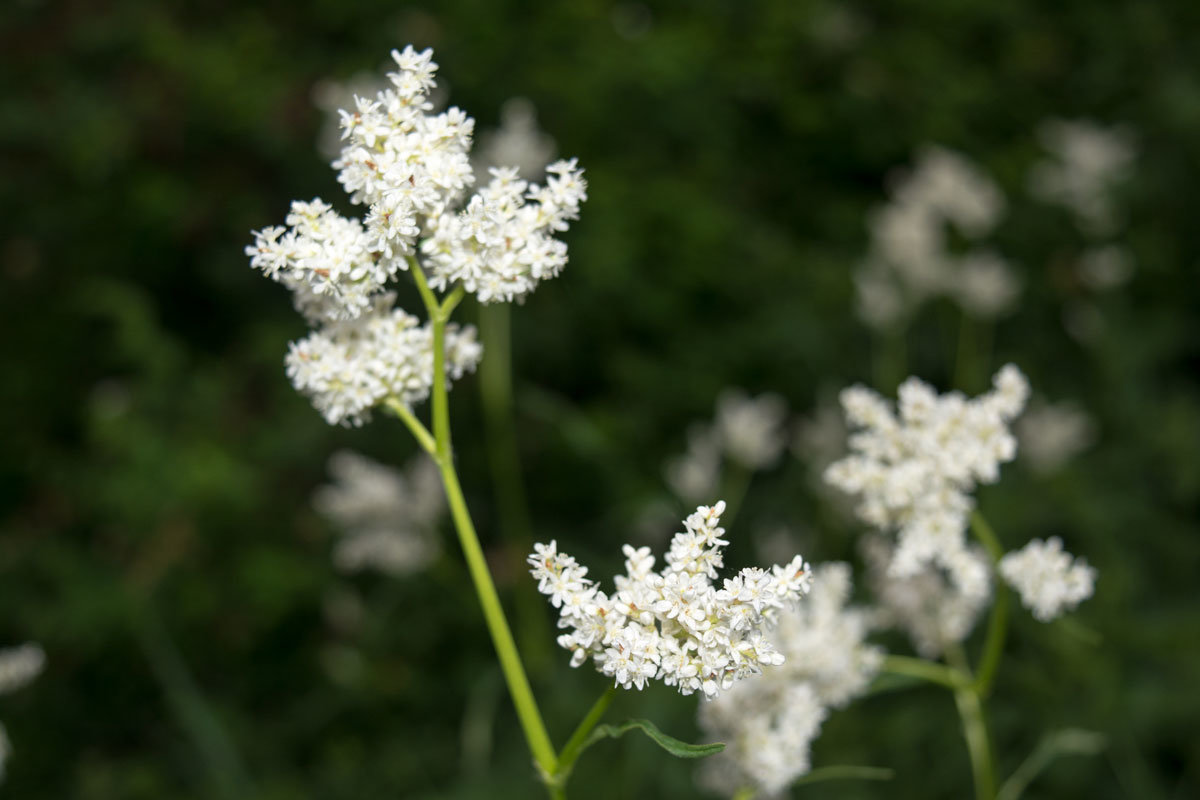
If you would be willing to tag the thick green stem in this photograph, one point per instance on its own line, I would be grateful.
(570, 751)
(926, 670)
(993, 646)
(506, 650)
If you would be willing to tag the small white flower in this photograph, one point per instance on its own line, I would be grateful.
(1049, 580)
(1052, 433)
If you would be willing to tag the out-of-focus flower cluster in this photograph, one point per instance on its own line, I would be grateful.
(18, 666)
(912, 254)
(674, 625)
(750, 431)
(410, 169)
(1052, 433)
(913, 472)
(387, 518)
(768, 723)
(1048, 579)
(1086, 162)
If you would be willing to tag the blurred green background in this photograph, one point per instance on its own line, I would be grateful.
(158, 537)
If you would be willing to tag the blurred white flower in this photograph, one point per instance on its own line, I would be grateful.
(911, 256)
(913, 473)
(929, 606)
(1086, 163)
(768, 723)
(986, 285)
(1105, 267)
(696, 474)
(1048, 579)
(768, 737)
(1050, 434)
(387, 518)
(674, 625)
(18, 666)
(752, 429)
(518, 142)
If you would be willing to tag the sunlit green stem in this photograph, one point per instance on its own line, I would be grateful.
(993, 646)
(506, 650)
(419, 431)
(570, 751)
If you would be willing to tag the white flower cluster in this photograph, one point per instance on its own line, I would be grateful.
(411, 169)
(1052, 433)
(675, 625)
(501, 246)
(18, 666)
(911, 257)
(1086, 162)
(752, 431)
(1048, 579)
(932, 610)
(769, 723)
(348, 368)
(387, 518)
(914, 473)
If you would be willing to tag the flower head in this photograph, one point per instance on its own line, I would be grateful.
(912, 469)
(1049, 579)
(675, 625)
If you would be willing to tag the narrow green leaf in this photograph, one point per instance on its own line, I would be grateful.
(672, 745)
(846, 772)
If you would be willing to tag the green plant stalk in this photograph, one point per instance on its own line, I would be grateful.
(574, 745)
(734, 486)
(926, 670)
(891, 358)
(970, 711)
(506, 649)
(993, 646)
(496, 391)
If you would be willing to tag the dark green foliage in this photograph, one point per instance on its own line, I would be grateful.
(156, 469)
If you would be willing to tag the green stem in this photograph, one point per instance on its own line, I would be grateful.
(419, 431)
(570, 751)
(993, 646)
(506, 650)
(970, 711)
(926, 670)
(964, 361)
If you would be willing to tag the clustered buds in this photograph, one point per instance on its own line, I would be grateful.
(674, 625)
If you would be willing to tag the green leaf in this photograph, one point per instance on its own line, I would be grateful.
(847, 772)
(672, 745)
